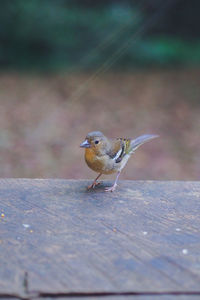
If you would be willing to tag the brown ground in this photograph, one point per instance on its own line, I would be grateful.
(44, 119)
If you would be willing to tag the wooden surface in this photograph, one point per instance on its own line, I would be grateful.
(58, 239)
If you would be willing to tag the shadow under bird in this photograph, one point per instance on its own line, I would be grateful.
(107, 156)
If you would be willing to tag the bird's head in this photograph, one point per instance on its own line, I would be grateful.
(95, 141)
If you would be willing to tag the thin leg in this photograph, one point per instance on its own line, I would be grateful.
(92, 186)
(112, 188)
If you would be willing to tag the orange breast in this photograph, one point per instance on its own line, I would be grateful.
(97, 164)
(89, 155)
(92, 161)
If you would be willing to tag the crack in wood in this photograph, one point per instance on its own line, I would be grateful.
(35, 295)
(26, 284)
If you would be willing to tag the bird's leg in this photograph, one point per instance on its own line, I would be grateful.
(92, 186)
(112, 188)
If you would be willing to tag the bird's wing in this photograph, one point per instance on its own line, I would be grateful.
(120, 147)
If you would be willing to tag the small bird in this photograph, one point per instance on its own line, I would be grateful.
(107, 156)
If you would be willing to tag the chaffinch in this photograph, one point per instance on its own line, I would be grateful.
(107, 156)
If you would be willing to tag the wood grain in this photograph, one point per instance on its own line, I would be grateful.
(58, 238)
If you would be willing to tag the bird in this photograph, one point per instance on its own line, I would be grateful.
(106, 156)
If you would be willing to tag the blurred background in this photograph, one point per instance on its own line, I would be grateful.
(123, 67)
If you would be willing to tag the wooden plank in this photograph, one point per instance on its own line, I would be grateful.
(57, 237)
(130, 297)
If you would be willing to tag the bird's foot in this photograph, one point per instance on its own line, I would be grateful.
(111, 189)
(92, 186)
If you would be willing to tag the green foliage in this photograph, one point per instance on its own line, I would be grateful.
(50, 35)
(165, 51)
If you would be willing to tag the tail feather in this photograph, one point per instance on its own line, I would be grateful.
(140, 140)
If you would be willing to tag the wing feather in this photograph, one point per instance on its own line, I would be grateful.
(120, 148)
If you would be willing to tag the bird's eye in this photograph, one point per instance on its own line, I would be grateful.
(96, 142)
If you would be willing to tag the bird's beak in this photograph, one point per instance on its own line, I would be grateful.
(85, 144)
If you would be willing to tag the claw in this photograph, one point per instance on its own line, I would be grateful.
(92, 186)
(95, 183)
(111, 189)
